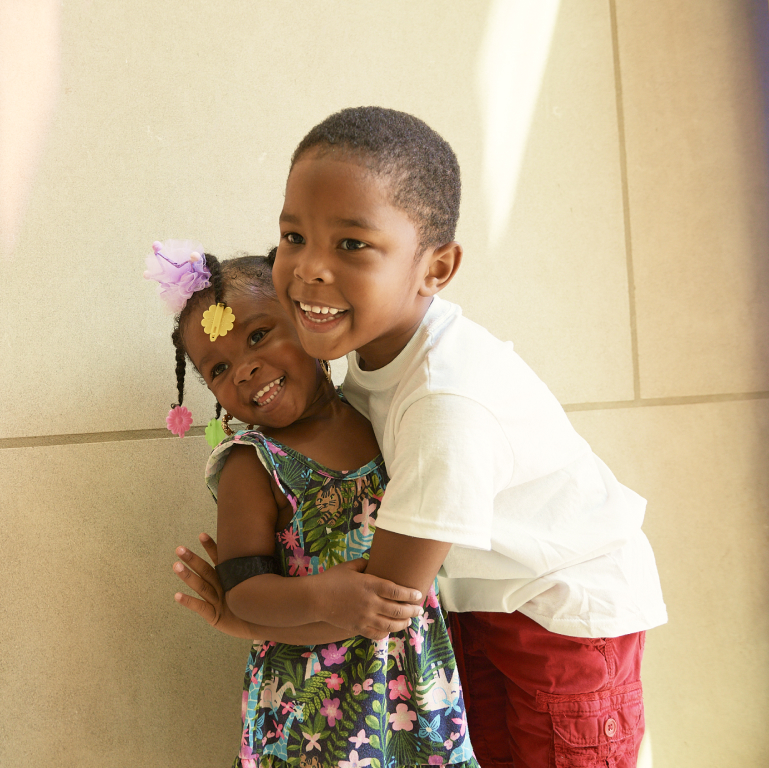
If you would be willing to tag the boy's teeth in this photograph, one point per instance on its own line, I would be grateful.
(318, 310)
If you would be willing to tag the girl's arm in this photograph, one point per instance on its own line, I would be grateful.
(247, 516)
(203, 579)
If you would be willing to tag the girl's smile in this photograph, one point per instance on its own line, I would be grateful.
(258, 371)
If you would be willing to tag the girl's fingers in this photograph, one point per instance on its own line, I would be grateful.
(200, 607)
(195, 583)
(197, 564)
(210, 546)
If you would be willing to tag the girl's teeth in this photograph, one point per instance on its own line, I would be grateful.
(264, 391)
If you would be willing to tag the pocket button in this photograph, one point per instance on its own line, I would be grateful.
(611, 727)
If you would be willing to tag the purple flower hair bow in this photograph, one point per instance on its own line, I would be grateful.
(180, 268)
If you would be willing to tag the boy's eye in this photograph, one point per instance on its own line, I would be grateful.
(349, 244)
(218, 369)
(294, 238)
(256, 337)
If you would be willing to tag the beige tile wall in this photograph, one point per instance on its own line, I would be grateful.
(631, 276)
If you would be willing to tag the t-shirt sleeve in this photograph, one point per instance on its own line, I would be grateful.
(450, 459)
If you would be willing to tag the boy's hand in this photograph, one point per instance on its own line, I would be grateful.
(364, 604)
(203, 579)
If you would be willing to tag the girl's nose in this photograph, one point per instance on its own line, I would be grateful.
(245, 370)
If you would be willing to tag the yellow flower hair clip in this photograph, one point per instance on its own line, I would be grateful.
(217, 320)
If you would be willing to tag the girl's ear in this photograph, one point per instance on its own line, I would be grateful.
(441, 265)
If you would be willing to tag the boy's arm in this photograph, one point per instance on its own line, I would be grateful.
(247, 514)
(449, 461)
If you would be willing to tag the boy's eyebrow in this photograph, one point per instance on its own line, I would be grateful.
(356, 223)
(290, 218)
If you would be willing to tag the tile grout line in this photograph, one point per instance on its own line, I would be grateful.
(625, 203)
(653, 402)
(44, 441)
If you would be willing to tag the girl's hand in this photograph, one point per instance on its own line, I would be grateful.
(203, 579)
(364, 604)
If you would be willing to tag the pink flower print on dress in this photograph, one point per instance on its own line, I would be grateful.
(403, 718)
(334, 682)
(274, 448)
(313, 741)
(330, 710)
(354, 761)
(290, 538)
(368, 684)
(366, 515)
(179, 420)
(359, 739)
(416, 640)
(400, 688)
(461, 722)
(435, 760)
(298, 563)
(333, 655)
(424, 622)
(432, 600)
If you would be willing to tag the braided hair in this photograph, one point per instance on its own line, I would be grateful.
(250, 274)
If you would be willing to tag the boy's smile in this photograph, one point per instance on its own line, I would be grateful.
(346, 268)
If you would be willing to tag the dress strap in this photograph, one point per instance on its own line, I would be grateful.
(290, 476)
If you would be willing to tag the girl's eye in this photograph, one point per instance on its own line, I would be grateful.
(256, 337)
(348, 244)
(218, 369)
(294, 238)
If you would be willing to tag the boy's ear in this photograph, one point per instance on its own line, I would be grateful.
(442, 264)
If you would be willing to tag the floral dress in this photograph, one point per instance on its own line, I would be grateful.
(396, 702)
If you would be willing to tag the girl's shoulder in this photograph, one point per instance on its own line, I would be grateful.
(286, 465)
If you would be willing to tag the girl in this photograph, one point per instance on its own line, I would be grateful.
(298, 498)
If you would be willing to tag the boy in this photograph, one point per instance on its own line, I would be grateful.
(540, 549)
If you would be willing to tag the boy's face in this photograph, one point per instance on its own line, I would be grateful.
(345, 270)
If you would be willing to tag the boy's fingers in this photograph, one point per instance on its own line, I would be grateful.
(390, 591)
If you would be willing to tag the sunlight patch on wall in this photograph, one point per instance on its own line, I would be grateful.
(511, 65)
(29, 87)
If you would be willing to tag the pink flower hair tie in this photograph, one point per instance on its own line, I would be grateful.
(179, 420)
(180, 268)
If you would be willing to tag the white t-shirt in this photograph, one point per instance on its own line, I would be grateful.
(481, 454)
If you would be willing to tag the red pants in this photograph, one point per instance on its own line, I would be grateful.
(535, 699)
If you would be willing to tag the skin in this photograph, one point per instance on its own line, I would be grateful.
(260, 374)
(345, 246)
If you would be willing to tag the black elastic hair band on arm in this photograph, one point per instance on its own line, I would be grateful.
(232, 572)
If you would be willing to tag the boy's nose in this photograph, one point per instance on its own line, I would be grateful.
(312, 267)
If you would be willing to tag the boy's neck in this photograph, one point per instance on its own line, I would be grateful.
(382, 352)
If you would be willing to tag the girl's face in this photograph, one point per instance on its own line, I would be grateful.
(258, 372)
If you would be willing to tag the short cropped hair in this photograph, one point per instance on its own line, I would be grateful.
(420, 166)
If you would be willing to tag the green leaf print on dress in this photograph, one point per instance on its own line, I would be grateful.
(357, 703)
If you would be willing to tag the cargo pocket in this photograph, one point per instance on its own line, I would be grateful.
(595, 729)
